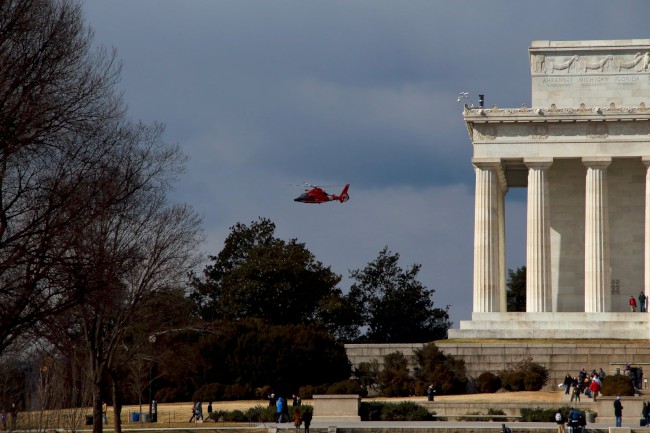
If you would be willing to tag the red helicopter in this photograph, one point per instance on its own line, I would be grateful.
(316, 194)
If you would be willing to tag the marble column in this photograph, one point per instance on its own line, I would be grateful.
(646, 260)
(538, 237)
(486, 236)
(597, 266)
(501, 212)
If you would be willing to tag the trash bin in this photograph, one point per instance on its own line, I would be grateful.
(591, 417)
(136, 417)
(146, 417)
(89, 420)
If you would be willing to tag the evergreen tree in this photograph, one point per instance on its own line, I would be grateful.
(393, 306)
(257, 275)
(516, 289)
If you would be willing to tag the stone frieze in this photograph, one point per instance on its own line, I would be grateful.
(542, 64)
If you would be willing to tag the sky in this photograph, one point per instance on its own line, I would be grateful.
(265, 95)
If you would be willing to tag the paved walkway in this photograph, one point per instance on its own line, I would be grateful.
(514, 426)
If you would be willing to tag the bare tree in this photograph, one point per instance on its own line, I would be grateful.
(84, 225)
(58, 112)
(133, 260)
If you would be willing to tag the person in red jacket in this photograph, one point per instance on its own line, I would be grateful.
(595, 387)
(632, 304)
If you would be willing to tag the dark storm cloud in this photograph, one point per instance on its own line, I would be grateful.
(265, 94)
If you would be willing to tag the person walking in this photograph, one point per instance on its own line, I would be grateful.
(568, 380)
(278, 410)
(297, 419)
(104, 410)
(559, 420)
(618, 411)
(4, 418)
(13, 413)
(194, 412)
(306, 418)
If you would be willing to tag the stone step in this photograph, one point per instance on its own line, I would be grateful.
(555, 325)
(548, 324)
(640, 333)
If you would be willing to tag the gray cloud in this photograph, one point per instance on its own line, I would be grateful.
(265, 94)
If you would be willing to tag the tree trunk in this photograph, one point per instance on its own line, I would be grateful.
(97, 404)
(117, 407)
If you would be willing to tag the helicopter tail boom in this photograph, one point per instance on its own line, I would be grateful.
(343, 197)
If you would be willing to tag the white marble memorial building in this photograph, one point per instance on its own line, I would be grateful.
(583, 153)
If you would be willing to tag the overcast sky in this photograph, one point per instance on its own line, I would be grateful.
(264, 94)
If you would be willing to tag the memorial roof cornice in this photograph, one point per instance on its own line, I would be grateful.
(525, 114)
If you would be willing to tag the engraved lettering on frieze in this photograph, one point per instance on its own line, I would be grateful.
(627, 80)
(558, 81)
(485, 132)
(591, 81)
(597, 130)
(538, 131)
(565, 65)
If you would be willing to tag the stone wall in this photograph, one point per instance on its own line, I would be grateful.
(559, 357)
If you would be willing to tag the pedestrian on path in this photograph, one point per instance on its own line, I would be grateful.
(306, 418)
(559, 420)
(618, 411)
(104, 411)
(297, 419)
(13, 413)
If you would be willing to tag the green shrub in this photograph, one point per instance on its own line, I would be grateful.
(533, 381)
(404, 411)
(525, 375)
(209, 392)
(168, 395)
(542, 415)
(395, 379)
(473, 417)
(488, 382)
(371, 411)
(617, 384)
(257, 413)
(263, 392)
(219, 391)
(446, 373)
(347, 386)
(308, 391)
(235, 416)
(492, 411)
(512, 380)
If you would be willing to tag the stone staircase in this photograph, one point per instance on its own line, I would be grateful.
(569, 325)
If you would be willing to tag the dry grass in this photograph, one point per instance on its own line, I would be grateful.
(526, 396)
